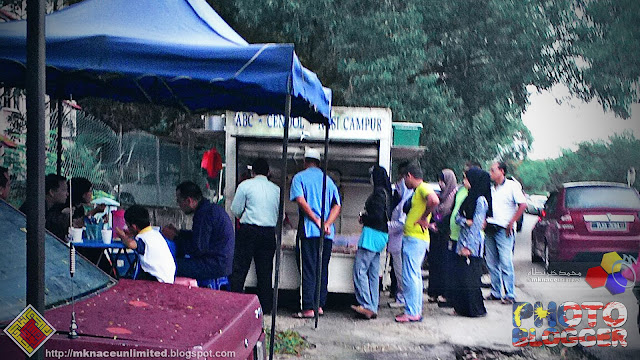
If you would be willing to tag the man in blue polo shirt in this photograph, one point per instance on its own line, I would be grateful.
(306, 191)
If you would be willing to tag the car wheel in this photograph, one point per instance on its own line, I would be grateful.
(534, 256)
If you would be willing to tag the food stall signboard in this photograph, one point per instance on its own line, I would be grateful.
(347, 123)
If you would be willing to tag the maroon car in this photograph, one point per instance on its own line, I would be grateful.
(126, 318)
(583, 220)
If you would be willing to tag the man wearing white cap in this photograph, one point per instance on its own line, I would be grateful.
(306, 191)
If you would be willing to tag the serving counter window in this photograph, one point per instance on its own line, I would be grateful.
(349, 161)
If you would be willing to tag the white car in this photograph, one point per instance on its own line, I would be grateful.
(535, 203)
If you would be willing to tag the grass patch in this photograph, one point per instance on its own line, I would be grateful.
(287, 342)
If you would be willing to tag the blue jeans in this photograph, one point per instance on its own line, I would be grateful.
(396, 258)
(413, 252)
(499, 256)
(366, 278)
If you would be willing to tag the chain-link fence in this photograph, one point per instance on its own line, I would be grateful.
(135, 167)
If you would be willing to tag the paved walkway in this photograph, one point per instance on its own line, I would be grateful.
(445, 336)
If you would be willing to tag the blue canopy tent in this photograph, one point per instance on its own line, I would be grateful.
(176, 53)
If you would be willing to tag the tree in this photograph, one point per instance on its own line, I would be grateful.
(156, 119)
(459, 67)
(592, 161)
(608, 43)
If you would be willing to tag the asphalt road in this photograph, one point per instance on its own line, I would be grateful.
(536, 285)
(441, 335)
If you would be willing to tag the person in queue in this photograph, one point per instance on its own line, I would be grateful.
(415, 242)
(396, 229)
(306, 191)
(467, 266)
(508, 205)
(440, 258)
(256, 205)
(373, 239)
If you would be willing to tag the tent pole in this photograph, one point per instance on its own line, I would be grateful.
(59, 138)
(283, 186)
(35, 157)
(322, 221)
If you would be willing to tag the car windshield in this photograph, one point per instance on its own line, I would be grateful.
(588, 197)
(59, 287)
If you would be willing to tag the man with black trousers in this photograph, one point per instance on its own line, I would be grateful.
(306, 191)
(256, 205)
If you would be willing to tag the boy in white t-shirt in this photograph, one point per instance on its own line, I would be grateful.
(155, 258)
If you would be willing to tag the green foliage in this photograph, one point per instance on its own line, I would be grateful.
(609, 42)
(83, 161)
(593, 161)
(287, 342)
(459, 67)
(155, 119)
(16, 161)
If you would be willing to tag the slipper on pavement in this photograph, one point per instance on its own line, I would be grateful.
(404, 318)
(309, 314)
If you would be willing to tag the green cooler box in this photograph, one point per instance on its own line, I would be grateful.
(406, 133)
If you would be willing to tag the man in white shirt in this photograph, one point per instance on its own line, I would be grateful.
(256, 205)
(508, 205)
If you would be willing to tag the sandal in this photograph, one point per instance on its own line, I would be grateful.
(307, 314)
(364, 312)
(404, 318)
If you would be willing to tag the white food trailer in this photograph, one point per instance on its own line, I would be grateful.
(359, 138)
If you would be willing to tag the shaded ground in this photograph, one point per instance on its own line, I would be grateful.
(342, 336)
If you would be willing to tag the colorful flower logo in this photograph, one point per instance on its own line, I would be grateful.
(609, 274)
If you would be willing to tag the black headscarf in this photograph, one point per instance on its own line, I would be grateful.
(381, 182)
(480, 186)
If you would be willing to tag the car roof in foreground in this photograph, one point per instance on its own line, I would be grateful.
(173, 315)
